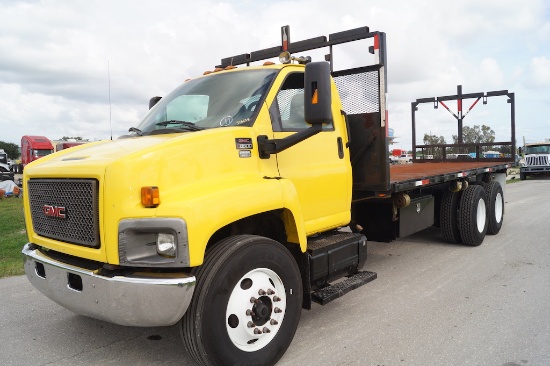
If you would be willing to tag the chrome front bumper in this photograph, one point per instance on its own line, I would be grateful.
(140, 299)
(535, 169)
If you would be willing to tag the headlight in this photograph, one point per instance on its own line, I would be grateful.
(158, 242)
(166, 245)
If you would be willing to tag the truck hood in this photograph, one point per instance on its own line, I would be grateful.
(92, 158)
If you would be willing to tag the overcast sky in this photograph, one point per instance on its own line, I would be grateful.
(55, 57)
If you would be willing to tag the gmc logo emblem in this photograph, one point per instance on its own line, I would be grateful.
(54, 211)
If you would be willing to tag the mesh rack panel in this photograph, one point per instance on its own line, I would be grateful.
(65, 209)
(359, 90)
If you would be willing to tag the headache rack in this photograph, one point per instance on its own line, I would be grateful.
(461, 150)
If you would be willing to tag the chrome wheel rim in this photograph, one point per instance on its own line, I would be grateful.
(256, 309)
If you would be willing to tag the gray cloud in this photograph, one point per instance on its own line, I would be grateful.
(54, 54)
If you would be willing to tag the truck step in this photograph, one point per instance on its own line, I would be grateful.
(332, 292)
(329, 241)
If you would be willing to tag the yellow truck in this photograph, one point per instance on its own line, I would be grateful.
(242, 197)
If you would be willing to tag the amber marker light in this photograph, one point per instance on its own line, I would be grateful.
(150, 196)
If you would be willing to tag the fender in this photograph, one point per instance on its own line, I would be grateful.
(212, 207)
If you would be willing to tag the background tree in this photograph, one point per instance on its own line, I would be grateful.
(437, 152)
(11, 149)
(476, 135)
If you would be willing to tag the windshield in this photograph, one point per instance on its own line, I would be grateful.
(537, 149)
(217, 100)
(42, 152)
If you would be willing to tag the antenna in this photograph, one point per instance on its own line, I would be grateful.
(109, 77)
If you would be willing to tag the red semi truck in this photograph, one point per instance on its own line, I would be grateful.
(32, 148)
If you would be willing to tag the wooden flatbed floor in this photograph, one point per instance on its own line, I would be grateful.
(407, 176)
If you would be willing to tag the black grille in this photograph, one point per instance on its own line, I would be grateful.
(66, 210)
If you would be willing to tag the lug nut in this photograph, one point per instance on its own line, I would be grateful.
(250, 325)
(266, 330)
(273, 322)
(253, 300)
(276, 298)
(277, 310)
(257, 331)
(261, 292)
(250, 312)
(270, 292)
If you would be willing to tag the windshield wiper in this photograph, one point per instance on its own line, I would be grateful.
(187, 125)
(136, 130)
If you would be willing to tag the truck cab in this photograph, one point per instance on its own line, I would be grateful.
(240, 164)
(34, 148)
(535, 159)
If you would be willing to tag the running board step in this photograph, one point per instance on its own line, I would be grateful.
(332, 292)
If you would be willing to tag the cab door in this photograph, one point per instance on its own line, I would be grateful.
(319, 167)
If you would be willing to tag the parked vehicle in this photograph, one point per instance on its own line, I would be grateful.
(33, 148)
(395, 154)
(5, 166)
(405, 158)
(492, 154)
(536, 160)
(68, 144)
(229, 212)
(460, 156)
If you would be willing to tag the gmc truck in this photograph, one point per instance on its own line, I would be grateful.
(535, 159)
(243, 196)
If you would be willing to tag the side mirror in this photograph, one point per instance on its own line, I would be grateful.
(520, 150)
(154, 101)
(317, 93)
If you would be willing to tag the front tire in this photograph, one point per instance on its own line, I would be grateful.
(472, 220)
(247, 303)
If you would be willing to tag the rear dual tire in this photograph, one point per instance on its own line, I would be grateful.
(495, 207)
(448, 219)
(472, 218)
(463, 215)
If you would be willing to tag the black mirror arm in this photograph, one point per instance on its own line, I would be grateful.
(266, 147)
(154, 101)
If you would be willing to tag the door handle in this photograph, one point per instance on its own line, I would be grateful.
(340, 147)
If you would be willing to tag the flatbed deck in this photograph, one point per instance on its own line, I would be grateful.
(409, 176)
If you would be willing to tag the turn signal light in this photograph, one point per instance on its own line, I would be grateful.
(150, 196)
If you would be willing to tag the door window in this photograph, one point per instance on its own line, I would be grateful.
(290, 105)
